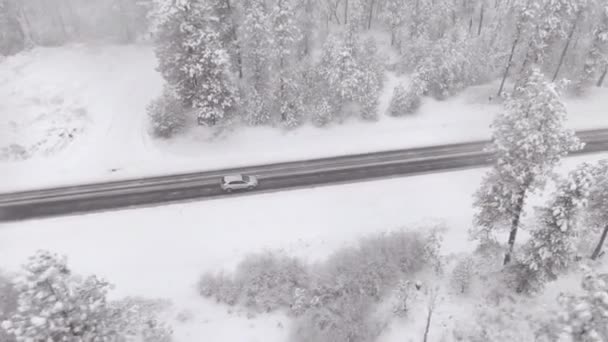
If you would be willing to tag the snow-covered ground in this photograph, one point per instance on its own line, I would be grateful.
(162, 251)
(77, 114)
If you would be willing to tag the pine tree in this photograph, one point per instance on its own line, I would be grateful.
(55, 306)
(585, 317)
(224, 22)
(597, 210)
(596, 59)
(350, 72)
(552, 246)
(12, 37)
(193, 62)
(286, 38)
(528, 141)
(256, 36)
(395, 16)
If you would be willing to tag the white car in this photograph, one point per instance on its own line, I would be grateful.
(238, 182)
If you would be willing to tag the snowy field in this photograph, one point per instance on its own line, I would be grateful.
(77, 114)
(162, 251)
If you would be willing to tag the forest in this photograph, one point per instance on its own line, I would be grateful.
(285, 62)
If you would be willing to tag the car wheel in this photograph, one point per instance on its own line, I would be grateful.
(229, 190)
(251, 187)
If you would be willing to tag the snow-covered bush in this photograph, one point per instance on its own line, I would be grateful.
(404, 294)
(322, 112)
(268, 280)
(345, 318)
(138, 317)
(55, 305)
(345, 289)
(256, 109)
(585, 317)
(262, 282)
(378, 262)
(14, 152)
(167, 115)
(497, 323)
(462, 274)
(334, 300)
(405, 100)
(221, 287)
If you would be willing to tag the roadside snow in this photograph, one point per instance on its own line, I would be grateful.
(77, 115)
(162, 251)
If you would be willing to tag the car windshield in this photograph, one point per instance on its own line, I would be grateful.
(246, 178)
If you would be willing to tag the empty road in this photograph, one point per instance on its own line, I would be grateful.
(272, 177)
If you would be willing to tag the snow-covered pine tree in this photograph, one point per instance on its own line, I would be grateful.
(12, 37)
(350, 74)
(55, 306)
(395, 16)
(552, 245)
(585, 317)
(462, 275)
(167, 114)
(286, 40)
(596, 59)
(224, 20)
(528, 141)
(258, 54)
(405, 100)
(194, 63)
(597, 209)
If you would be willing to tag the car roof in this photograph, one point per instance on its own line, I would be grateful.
(233, 178)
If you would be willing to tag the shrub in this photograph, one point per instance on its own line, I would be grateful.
(347, 318)
(268, 281)
(405, 100)
(167, 115)
(262, 282)
(495, 323)
(462, 275)
(323, 112)
(336, 300)
(404, 294)
(344, 290)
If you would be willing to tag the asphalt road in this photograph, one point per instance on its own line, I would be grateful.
(272, 177)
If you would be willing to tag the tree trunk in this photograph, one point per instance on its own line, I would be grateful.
(129, 35)
(565, 50)
(601, 80)
(371, 13)
(235, 40)
(598, 248)
(470, 25)
(480, 20)
(428, 325)
(345, 12)
(515, 226)
(74, 19)
(308, 30)
(504, 77)
(59, 19)
(26, 27)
